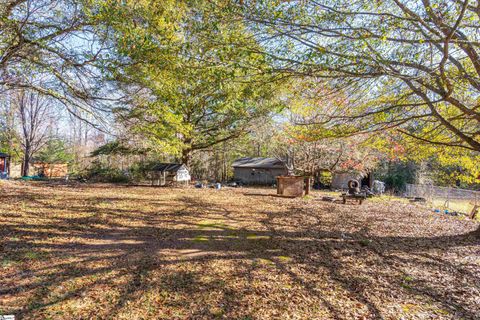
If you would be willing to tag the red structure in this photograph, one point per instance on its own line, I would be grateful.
(4, 165)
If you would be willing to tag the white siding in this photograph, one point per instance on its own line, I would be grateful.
(182, 175)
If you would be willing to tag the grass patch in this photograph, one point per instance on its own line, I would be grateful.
(201, 239)
(365, 242)
(32, 255)
(7, 263)
(463, 206)
(214, 225)
(262, 262)
(257, 237)
(387, 199)
(408, 278)
(407, 282)
(284, 259)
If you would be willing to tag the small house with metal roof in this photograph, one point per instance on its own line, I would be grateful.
(169, 173)
(260, 171)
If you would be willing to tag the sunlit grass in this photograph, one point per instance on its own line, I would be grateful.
(201, 238)
(256, 237)
(463, 206)
(214, 225)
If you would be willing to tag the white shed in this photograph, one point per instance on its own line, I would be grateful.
(165, 173)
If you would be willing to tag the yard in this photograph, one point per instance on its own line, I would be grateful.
(114, 252)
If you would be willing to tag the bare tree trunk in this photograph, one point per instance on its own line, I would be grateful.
(26, 162)
(33, 113)
(186, 157)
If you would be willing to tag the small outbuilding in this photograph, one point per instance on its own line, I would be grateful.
(260, 171)
(50, 170)
(169, 173)
(4, 165)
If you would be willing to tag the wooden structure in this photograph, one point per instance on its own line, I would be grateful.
(359, 197)
(354, 192)
(4, 165)
(258, 171)
(293, 186)
(50, 170)
(169, 173)
(473, 214)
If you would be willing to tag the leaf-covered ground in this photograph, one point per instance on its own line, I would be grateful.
(112, 252)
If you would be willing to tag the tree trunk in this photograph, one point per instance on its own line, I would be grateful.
(26, 163)
(186, 157)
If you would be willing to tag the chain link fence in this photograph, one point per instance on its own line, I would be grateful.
(460, 200)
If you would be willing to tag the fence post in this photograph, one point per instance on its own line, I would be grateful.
(447, 204)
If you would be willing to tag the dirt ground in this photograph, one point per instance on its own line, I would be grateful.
(114, 252)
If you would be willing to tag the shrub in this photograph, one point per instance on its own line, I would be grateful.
(103, 173)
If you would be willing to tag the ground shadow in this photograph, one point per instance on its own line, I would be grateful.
(168, 256)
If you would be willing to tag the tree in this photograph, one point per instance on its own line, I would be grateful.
(441, 165)
(410, 65)
(53, 42)
(9, 137)
(189, 90)
(33, 112)
(304, 152)
(55, 150)
(326, 155)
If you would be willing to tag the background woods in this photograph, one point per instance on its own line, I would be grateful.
(324, 86)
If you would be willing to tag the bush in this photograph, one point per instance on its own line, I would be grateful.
(139, 171)
(102, 173)
(396, 174)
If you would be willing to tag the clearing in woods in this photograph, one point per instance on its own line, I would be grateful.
(104, 251)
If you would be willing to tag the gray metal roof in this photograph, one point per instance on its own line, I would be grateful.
(261, 163)
(171, 167)
(4, 155)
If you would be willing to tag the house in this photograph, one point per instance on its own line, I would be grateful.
(50, 170)
(169, 173)
(340, 179)
(263, 171)
(4, 165)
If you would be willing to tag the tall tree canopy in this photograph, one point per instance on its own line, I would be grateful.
(50, 47)
(192, 88)
(411, 64)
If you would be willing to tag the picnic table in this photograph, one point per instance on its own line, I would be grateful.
(360, 197)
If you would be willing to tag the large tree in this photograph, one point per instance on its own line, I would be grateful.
(9, 137)
(413, 65)
(35, 114)
(50, 47)
(190, 89)
(305, 148)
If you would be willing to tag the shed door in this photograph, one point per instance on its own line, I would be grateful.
(2, 164)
